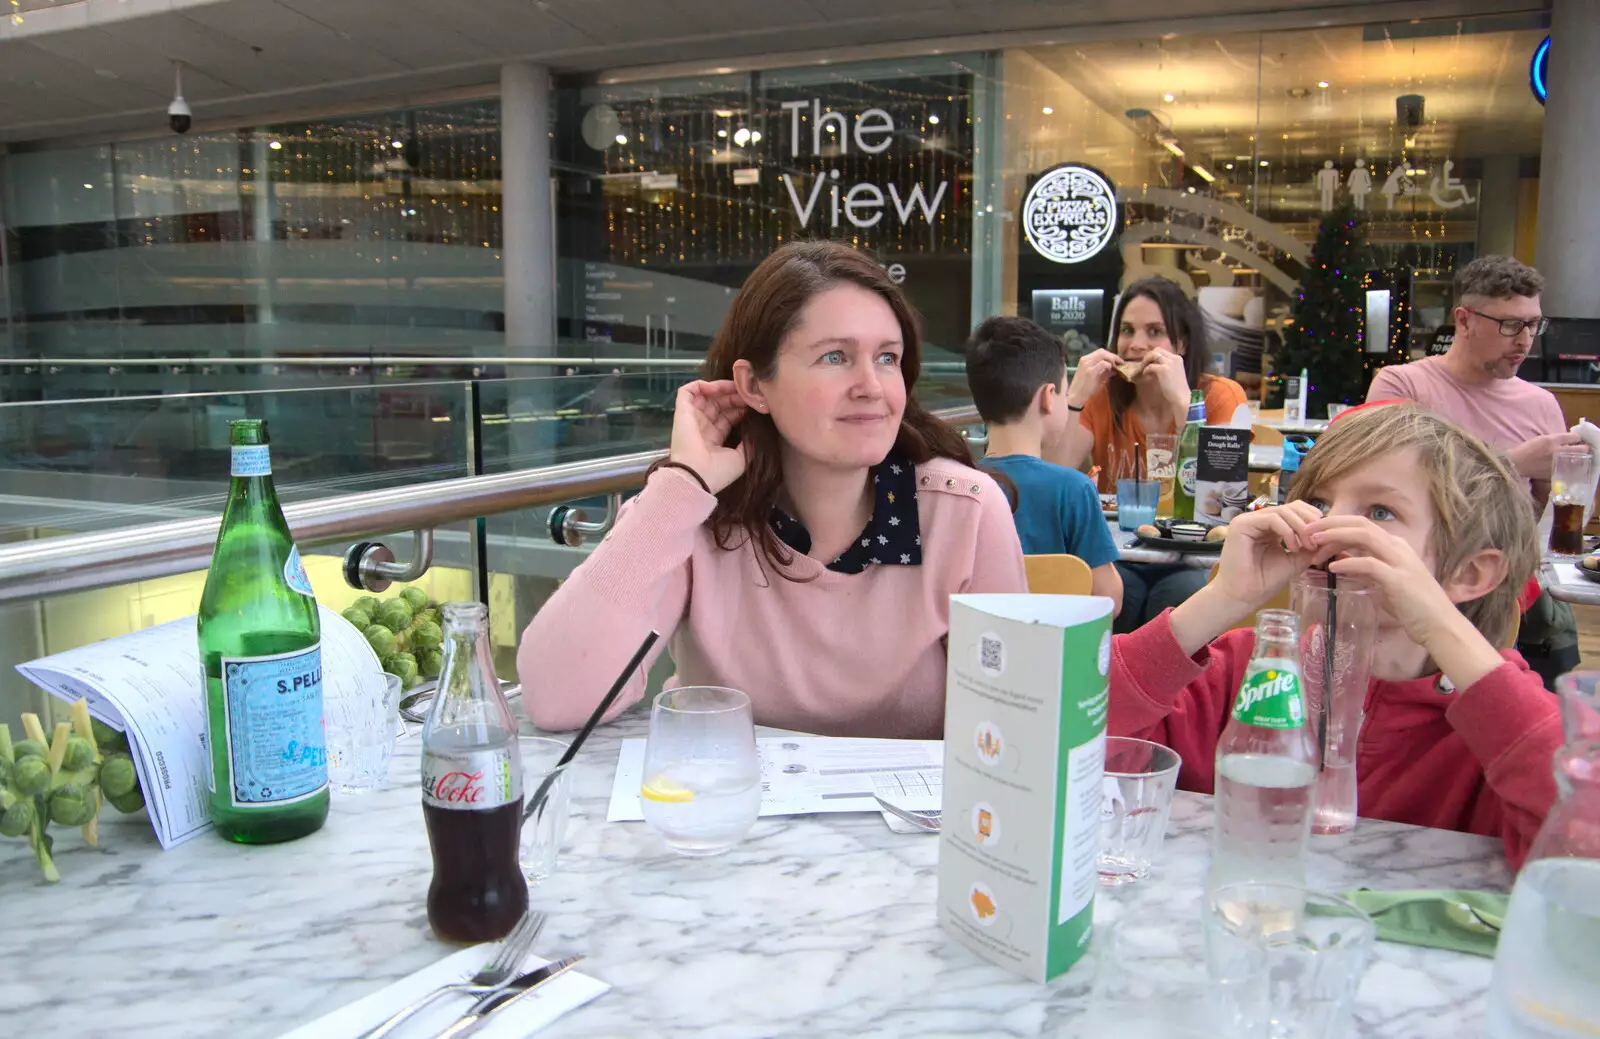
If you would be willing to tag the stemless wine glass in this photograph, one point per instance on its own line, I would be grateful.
(702, 778)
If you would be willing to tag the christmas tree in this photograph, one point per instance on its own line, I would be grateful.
(1327, 337)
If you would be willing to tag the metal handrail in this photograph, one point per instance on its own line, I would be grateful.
(78, 562)
(362, 360)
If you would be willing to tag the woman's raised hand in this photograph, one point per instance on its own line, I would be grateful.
(703, 416)
(1095, 369)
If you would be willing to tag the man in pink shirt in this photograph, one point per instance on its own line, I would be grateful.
(1475, 385)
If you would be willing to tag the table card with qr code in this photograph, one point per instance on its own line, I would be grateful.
(1024, 752)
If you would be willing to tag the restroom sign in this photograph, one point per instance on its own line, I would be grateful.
(1070, 213)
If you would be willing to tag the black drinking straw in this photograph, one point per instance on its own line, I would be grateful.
(1330, 625)
(594, 719)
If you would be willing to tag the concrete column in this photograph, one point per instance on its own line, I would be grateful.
(1497, 205)
(263, 241)
(527, 224)
(1569, 219)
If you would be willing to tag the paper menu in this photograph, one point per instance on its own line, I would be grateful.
(1025, 715)
(807, 775)
(149, 685)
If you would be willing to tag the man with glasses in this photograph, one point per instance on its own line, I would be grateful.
(1475, 384)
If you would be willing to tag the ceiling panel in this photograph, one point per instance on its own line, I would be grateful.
(98, 53)
(284, 35)
(506, 26)
(391, 30)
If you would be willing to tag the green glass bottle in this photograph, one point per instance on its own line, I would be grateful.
(1188, 458)
(261, 649)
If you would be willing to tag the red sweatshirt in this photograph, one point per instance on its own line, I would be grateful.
(1478, 759)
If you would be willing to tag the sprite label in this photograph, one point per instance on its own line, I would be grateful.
(1270, 697)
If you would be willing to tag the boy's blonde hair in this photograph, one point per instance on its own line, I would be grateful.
(1478, 500)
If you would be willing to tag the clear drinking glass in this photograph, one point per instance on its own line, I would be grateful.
(362, 725)
(1345, 617)
(1580, 705)
(1136, 502)
(702, 777)
(1285, 960)
(544, 830)
(1161, 465)
(1571, 491)
(1139, 780)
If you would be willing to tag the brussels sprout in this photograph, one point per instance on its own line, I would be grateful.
(402, 641)
(18, 819)
(28, 749)
(107, 738)
(416, 598)
(357, 616)
(394, 614)
(368, 604)
(403, 665)
(71, 805)
(30, 776)
(426, 636)
(430, 662)
(117, 775)
(79, 755)
(132, 801)
(428, 616)
(381, 640)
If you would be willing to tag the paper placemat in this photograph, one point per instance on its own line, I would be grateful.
(529, 1014)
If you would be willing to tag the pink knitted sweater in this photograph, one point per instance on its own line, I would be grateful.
(836, 654)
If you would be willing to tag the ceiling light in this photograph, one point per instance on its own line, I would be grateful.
(622, 138)
(1172, 146)
(1168, 97)
(1263, 162)
(274, 145)
(1204, 174)
(1191, 189)
(755, 136)
(722, 133)
(723, 113)
(1227, 165)
(89, 186)
(1322, 83)
(934, 120)
(1047, 110)
(741, 136)
(396, 144)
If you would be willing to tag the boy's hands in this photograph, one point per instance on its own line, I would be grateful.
(1263, 553)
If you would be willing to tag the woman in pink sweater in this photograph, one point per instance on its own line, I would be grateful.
(1458, 734)
(803, 538)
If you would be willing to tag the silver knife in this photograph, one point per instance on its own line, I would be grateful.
(474, 1018)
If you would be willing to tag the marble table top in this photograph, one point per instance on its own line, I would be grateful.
(814, 926)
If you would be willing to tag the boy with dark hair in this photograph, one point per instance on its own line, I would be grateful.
(1017, 375)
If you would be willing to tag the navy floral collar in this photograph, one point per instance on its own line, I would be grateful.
(891, 537)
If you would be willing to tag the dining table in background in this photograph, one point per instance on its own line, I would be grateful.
(1131, 550)
(813, 926)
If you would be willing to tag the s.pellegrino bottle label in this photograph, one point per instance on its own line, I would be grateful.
(294, 573)
(277, 749)
(472, 780)
(1270, 696)
(252, 460)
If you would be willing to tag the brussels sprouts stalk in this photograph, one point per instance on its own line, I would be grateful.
(5, 743)
(81, 725)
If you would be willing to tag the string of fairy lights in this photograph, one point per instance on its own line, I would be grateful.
(718, 181)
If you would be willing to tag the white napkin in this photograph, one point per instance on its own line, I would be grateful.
(1591, 436)
(524, 1017)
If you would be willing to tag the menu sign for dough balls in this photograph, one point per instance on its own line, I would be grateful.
(1024, 756)
(1222, 478)
(1072, 315)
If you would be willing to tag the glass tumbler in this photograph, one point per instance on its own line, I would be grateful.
(542, 832)
(1571, 491)
(1136, 799)
(362, 722)
(702, 776)
(1338, 631)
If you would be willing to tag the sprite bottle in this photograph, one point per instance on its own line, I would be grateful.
(261, 651)
(1188, 458)
(1267, 765)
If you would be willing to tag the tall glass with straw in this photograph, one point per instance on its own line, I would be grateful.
(1338, 628)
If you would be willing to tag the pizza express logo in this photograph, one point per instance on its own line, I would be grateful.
(1070, 214)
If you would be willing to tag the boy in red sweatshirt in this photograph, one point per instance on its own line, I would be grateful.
(1457, 733)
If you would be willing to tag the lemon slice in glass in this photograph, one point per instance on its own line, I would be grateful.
(1557, 488)
(667, 791)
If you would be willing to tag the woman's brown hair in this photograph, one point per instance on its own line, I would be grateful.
(766, 309)
(1186, 326)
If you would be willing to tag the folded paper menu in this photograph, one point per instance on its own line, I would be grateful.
(148, 685)
(527, 1015)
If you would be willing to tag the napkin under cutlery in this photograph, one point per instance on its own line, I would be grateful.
(524, 1017)
(1465, 921)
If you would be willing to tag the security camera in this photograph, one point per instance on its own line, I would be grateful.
(1408, 110)
(178, 115)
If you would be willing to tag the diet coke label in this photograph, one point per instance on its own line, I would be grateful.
(473, 781)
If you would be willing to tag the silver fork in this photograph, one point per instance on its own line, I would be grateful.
(930, 821)
(494, 975)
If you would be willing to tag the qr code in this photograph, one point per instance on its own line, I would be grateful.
(991, 654)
